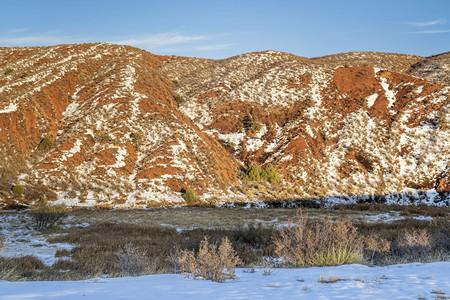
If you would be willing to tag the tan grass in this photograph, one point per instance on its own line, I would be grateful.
(318, 243)
(330, 279)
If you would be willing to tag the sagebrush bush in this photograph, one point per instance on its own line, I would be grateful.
(320, 242)
(18, 189)
(46, 216)
(189, 196)
(211, 262)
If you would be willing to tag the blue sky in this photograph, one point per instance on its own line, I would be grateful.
(220, 29)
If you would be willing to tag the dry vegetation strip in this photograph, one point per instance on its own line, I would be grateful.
(119, 248)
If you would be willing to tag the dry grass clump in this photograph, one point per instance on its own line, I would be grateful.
(318, 243)
(211, 262)
(3, 244)
(19, 268)
(407, 240)
(331, 279)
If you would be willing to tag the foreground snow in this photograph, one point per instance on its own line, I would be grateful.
(407, 281)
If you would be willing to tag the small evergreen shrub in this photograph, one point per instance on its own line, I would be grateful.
(271, 174)
(18, 189)
(178, 99)
(189, 196)
(45, 144)
(24, 75)
(8, 71)
(135, 137)
(253, 173)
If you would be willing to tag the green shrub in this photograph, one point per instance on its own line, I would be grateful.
(104, 138)
(45, 144)
(178, 99)
(24, 75)
(8, 71)
(271, 174)
(135, 137)
(18, 189)
(189, 196)
(47, 215)
(253, 173)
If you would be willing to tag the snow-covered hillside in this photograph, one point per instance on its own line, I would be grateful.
(106, 126)
(332, 129)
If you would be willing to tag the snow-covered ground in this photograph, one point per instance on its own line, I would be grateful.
(407, 281)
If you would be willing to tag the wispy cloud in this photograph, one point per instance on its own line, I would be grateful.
(18, 30)
(428, 23)
(38, 40)
(431, 31)
(213, 47)
(157, 41)
(168, 42)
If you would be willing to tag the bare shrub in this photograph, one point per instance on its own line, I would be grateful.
(413, 245)
(267, 267)
(132, 260)
(318, 243)
(376, 244)
(46, 216)
(211, 262)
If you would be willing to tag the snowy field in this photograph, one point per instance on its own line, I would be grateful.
(407, 281)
